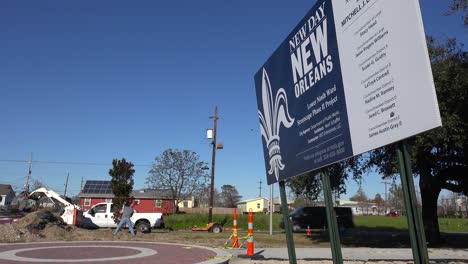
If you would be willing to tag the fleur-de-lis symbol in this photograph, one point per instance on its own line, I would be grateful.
(275, 113)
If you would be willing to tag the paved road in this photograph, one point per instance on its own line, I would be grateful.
(125, 252)
(362, 254)
(130, 252)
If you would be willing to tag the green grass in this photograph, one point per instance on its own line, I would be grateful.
(380, 222)
(453, 225)
(261, 222)
(186, 221)
(401, 223)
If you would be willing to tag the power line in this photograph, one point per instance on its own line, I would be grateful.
(72, 163)
(22, 161)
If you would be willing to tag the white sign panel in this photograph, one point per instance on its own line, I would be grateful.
(387, 78)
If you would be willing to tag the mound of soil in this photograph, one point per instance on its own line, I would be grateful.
(36, 226)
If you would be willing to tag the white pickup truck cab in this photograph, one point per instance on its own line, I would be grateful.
(101, 215)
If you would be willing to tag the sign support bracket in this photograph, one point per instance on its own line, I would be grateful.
(287, 224)
(331, 219)
(415, 223)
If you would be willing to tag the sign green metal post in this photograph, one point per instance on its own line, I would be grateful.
(415, 224)
(287, 224)
(331, 219)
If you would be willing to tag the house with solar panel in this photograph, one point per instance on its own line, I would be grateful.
(148, 200)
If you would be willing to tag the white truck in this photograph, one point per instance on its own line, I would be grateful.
(101, 215)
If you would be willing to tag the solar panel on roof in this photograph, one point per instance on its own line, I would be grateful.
(98, 187)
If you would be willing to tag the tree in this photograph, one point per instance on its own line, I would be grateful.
(380, 202)
(122, 183)
(438, 156)
(396, 200)
(362, 199)
(36, 184)
(308, 186)
(459, 6)
(179, 171)
(217, 199)
(201, 196)
(360, 196)
(230, 196)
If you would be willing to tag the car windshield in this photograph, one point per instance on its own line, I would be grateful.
(296, 211)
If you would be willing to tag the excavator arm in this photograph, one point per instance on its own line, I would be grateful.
(70, 213)
(41, 192)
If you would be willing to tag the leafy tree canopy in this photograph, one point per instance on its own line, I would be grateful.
(179, 171)
(122, 182)
(230, 196)
(308, 186)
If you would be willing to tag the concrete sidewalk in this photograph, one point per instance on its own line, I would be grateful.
(363, 254)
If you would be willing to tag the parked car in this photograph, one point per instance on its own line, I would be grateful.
(392, 214)
(315, 217)
(10, 217)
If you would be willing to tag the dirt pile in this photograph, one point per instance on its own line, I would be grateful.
(35, 226)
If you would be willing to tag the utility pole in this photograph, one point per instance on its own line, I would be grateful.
(213, 158)
(26, 185)
(272, 209)
(81, 189)
(260, 187)
(386, 197)
(66, 185)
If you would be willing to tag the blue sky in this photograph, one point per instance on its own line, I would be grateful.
(90, 81)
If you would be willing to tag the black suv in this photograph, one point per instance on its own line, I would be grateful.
(315, 217)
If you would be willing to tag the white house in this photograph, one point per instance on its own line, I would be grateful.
(258, 205)
(6, 195)
(360, 208)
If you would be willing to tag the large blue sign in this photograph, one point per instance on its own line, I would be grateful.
(353, 75)
(302, 108)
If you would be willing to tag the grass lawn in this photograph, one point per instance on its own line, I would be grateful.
(262, 222)
(186, 221)
(400, 223)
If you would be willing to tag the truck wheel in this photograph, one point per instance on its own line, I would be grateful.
(216, 229)
(143, 227)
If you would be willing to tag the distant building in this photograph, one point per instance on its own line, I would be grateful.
(258, 205)
(187, 203)
(360, 208)
(277, 204)
(462, 206)
(6, 195)
(148, 201)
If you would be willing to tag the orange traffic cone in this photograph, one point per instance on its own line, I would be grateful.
(235, 239)
(250, 242)
(308, 231)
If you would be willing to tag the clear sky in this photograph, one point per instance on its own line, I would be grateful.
(90, 81)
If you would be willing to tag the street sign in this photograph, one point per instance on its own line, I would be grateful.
(352, 76)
